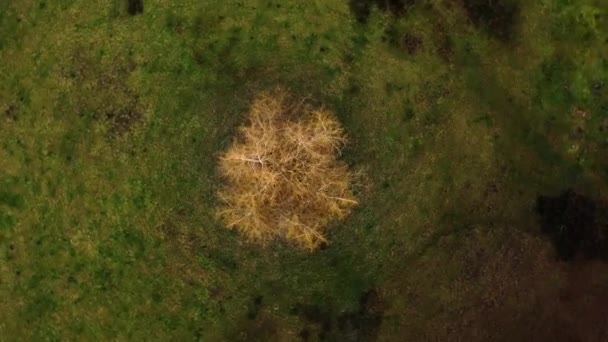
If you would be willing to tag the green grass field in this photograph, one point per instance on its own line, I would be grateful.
(460, 113)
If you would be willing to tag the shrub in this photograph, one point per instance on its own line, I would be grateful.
(282, 176)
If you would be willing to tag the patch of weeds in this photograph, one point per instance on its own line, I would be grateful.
(254, 307)
(219, 54)
(596, 88)
(577, 22)
(496, 17)
(174, 23)
(408, 113)
(409, 42)
(42, 305)
(12, 200)
(570, 220)
(554, 86)
(222, 260)
(11, 113)
(361, 324)
(444, 43)
(9, 25)
(199, 25)
(24, 96)
(304, 334)
(361, 9)
(104, 279)
(68, 144)
(396, 7)
(7, 221)
(131, 239)
(603, 127)
(485, 120)
(391, 88)
(262, 330)
(122, 119)
(103, 93)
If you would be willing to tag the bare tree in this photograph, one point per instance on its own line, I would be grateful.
(282, 176)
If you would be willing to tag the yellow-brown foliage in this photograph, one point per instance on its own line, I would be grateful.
(282, 178)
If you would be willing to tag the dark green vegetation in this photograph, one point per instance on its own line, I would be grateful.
(462, 113)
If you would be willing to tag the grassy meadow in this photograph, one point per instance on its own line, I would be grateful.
(459, 112)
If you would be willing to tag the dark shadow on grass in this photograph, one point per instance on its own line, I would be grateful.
(135, 7)
(570, 220)
(496, 17)
(361, 9)
(361, 324)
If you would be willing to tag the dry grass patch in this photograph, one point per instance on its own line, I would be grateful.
(282, 176)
